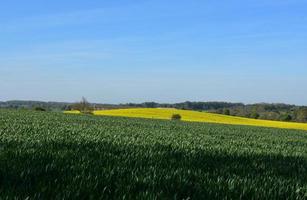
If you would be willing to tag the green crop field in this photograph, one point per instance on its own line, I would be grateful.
(57, 156)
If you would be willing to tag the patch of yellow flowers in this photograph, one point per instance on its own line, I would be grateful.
(194, 116)
(72, 112)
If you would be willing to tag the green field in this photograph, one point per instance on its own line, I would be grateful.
(54, 156)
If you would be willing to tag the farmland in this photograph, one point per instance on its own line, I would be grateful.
(194, 116)
(46, 155)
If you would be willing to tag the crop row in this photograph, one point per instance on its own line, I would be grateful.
(53, 155)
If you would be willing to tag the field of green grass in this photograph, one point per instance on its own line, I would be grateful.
(46, 155)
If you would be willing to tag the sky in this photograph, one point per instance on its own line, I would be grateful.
(154, 50)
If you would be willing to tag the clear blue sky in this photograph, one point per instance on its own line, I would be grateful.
(154, 50)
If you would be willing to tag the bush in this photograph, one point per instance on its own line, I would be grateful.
(176, 117)
(39, 109)
(301, 114)
(286, 117)
(255, 115)
(226, 112)
(83, 106)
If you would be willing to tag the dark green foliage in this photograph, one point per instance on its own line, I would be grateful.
(150, 105)
(47, 155)
(255, 115)
(187, 105)
(176, 117)
(286, 117)
(83, 106)
(301, 114)
(39, 109)
(226, 112)
(54, 106)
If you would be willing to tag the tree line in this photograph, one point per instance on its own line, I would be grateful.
(280, 112)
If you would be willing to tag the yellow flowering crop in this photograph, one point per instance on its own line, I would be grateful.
(72, 112)
(195, 116)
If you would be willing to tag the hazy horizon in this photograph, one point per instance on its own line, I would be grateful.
(116, 103)
(137, 51)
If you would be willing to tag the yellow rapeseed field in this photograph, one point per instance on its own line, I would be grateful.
(72, 112)
(194, 116)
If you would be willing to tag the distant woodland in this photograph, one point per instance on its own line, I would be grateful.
(280, 112)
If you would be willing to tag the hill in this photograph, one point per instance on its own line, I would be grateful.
(276, 112)
(194, 116)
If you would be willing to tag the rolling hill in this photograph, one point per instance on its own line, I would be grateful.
(194, 116)
(51, 155)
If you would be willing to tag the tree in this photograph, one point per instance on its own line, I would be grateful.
(83, 106)
(39, 108)
(255, 115)
(226, 112)
(150, 105)
(301, 114)
(176, 117)
(286, 117)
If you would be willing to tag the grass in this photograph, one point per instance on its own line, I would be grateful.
(56, 156)
(194, 116)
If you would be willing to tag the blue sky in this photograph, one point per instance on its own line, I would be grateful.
(154, 50)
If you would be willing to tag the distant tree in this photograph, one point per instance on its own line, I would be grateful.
(66, 107)
(150, 105)
(301, 114)
(176, 117)
(285, 117)
(226, 112)
(255, 115)
(39, 108)
(269, 115)
(83, 106)
(219, 111)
